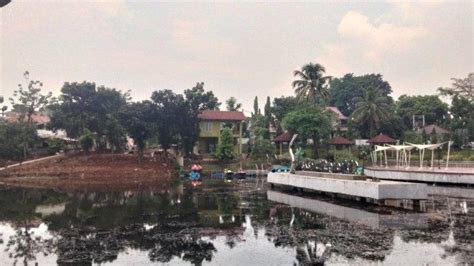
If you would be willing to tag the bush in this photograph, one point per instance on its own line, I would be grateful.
(340, 155)
(54, 146)
(87, 140)
(224, 151)
(262, 148)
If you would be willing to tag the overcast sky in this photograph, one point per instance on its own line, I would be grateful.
(236, 49)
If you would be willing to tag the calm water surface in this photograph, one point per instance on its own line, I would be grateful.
(242, 224)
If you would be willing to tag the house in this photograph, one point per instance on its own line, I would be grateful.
(40, 120)
(341, 120)
(211, 123)
(430, 129)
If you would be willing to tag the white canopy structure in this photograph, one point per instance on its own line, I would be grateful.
(403, 153)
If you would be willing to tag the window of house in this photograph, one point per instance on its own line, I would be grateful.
(208, 126)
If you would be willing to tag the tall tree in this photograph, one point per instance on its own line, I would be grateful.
(371, 109)
(282, 106)
(28, 100)
(232, 105)
(139, 123)
(310, 122)
(84, 106)
(431, 106)
(256, 109)
(311, 83)
(461, 87)
(268, 112)
(200, 100)
(345, 90)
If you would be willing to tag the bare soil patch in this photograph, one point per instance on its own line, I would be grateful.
(97, 172)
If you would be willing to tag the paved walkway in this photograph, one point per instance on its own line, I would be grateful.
(32, 161)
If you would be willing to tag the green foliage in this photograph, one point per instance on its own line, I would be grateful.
(371, 109)
(309, 122)
(200, 100)
(412, 137)
(256, 109)
(83, 105)
(137, 119)
(462, 122)
(311, 85)
(431, 106)
(11, 140)
(54, 145)
(461, 87)
(262, 148)
(232, 105)
(282, 106)
(225, 149)
(28, 100)
(340, 155)
(87, 140)
(344, 91)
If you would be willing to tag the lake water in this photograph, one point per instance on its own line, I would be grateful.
(241, 224)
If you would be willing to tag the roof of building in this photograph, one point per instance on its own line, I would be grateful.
(336, 110)
(37, 118)
(216, 115)
(285, 137)
(338, 140)
(381, 138)
(429, 130)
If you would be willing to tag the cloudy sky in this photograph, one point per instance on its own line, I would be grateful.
(236, 49)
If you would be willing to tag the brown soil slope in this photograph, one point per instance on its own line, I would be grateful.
(98, 172)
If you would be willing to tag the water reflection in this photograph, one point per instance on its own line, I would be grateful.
(225, 225)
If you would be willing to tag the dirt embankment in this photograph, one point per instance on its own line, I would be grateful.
(98, 172)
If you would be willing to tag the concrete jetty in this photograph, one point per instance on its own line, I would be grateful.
(346, 185)
(375, 220)
(450, 175)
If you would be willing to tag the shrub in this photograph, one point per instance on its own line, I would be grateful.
(54, 146)
(87, 140)
(340, 155)
(224, 151)
(262, 148)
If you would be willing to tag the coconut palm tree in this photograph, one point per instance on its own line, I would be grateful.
(371, 109)
(311, 83)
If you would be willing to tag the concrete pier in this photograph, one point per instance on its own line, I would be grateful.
(375, 220)
(357, 188)
(461, 176)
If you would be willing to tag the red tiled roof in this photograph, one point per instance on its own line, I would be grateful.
(381, 138)
(336, 110)
(215, 115)
(338, 140)
(13, 117)
(285, 137)
(429, 130)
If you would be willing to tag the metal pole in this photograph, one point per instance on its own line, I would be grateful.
(447, 158)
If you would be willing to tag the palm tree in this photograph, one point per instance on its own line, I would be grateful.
(371, 108)
(311, 83)
(232, 104)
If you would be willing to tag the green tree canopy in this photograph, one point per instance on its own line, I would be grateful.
(311, 84)
(282, 106)
(461, 87)
(371, 109)
(309, 122)
(344, 91)
(431, 106)
(232, 105)
(225, 149)
(200, 100)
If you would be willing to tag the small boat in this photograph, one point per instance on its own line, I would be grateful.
(195, 173)
(241, 174)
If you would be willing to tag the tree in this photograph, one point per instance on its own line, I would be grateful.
(345, 90)
(232, 105)
(138, 120)
(309, 122)
(83, 105)
(225, 149)
(87, 140)
(4, 108)
(371, 109)
(200, 100)
(461, 87)
(282, 106)
(462, 119)
(11, 140)
(311, 84)
(431, 106)
(28, 100)
(268, 113)
(256, 109)
(262, 148)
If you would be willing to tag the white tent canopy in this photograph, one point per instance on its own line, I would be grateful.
(403, 153)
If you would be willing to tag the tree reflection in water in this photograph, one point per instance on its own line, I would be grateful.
(183, 224)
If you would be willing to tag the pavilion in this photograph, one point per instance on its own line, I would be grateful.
(340, 142)
(282, 140)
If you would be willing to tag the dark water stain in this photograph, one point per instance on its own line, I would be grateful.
(240, 224)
